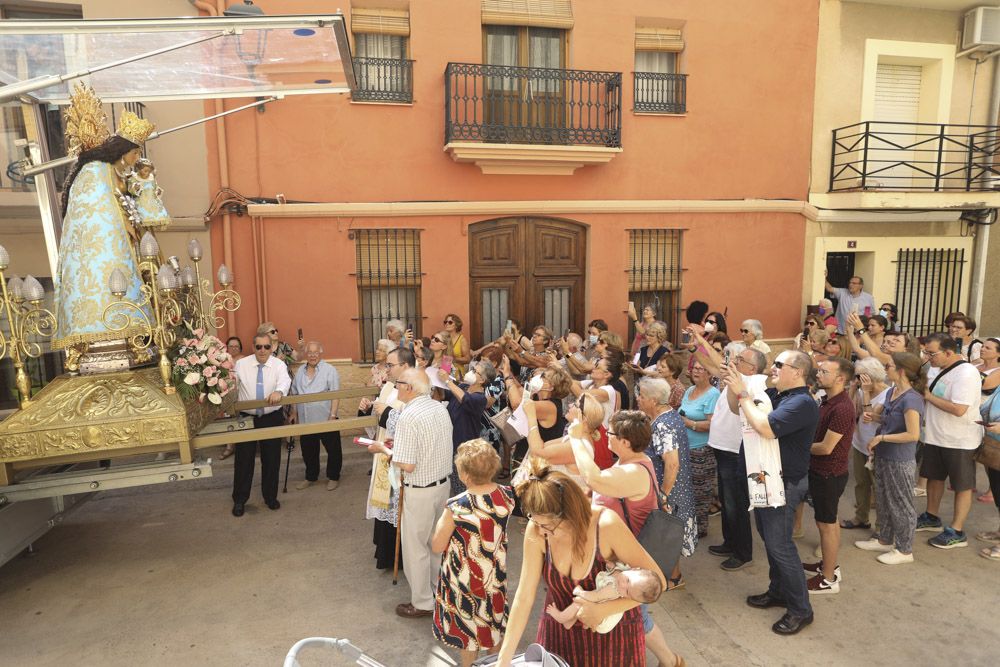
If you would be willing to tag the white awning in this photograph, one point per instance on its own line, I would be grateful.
(235, 57)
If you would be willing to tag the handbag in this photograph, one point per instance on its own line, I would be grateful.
(988, 453)
(662, 536)
(508, 433)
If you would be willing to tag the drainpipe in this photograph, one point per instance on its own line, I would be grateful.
(982, 241)
(223, 155)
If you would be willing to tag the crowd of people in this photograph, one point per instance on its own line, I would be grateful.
(615, 429)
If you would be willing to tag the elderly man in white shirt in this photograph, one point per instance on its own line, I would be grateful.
(260, 377)
(422, 450)
(313, 377)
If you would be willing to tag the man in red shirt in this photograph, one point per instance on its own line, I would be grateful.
(828, 468)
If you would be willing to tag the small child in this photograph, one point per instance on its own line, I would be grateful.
(470, 607)
(614, 583)
(148, 195)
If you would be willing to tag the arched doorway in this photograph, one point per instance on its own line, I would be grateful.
(527, 269)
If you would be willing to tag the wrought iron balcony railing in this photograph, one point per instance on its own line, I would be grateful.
(383, 80)
(915, 157)
(660, 93)
(532, 105)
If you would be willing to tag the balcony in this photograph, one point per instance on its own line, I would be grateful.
(660, 93)
(387, 80)
(531, 120)
(877, 164)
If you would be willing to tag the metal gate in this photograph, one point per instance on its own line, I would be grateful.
(654, 277)
(928, 287)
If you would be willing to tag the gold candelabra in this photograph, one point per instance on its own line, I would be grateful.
(157, 297)
(196, 290)
(22, 305)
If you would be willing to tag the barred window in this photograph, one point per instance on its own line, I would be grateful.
(928, 287)
(654, 275)
(388, 273)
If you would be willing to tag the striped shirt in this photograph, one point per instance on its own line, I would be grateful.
(423, 438)
(325, 378)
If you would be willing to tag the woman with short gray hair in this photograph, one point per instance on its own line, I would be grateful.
(870, 392)
(671, 456)
(655, 347)
(752, 336)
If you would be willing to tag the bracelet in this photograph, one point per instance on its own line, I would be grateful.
(533, 428)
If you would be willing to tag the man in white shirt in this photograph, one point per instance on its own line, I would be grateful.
(260, 377)
(422, 450)
(951, 436)
(726, 439)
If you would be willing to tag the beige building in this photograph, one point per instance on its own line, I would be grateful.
(903, 155)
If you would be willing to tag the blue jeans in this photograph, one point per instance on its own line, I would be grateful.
(734, 496)
(788, 581)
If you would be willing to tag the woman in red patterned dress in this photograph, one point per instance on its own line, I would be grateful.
(470, 607)
(569, 542)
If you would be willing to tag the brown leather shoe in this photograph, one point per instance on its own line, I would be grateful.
(407, 610)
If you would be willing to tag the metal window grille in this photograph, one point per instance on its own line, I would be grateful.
(654, 275)
(928, 287)
(389, 276)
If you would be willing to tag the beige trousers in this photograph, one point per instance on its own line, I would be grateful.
(421, 510)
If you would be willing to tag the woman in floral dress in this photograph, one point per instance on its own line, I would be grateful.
(670, 452)
(470, 607)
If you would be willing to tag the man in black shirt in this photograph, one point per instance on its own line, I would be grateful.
(792, 421)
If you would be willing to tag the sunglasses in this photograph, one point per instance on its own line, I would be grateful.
(274, 331)
(449, 321)
(711, 322)
(746, 331)
(435, 339)
(781, 364)
(263, 347)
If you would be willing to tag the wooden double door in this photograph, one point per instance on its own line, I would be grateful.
(527, 269)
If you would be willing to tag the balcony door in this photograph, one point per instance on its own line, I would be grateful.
(524, 108)
(899, 149)
(527, 269)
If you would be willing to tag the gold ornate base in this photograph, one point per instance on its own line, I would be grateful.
(89, 417)
(110, 357)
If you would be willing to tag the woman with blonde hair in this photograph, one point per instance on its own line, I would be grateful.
(440, 345)
(568, 542)
(649, 354)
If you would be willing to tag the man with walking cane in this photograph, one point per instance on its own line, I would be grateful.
(422, 452)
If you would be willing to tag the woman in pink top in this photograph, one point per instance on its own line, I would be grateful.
(630, 481)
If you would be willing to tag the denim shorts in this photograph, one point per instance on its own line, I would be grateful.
(647, 619)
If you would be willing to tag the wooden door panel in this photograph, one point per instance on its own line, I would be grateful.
(497, 248)
(558, 248)
(494, 301)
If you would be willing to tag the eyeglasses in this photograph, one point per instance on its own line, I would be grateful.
(403, 384)
(273, 331)
(746, 331)
(547, 529)
(932, 354)
(263, 347)
(745, 361)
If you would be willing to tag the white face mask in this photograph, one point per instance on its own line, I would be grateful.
(592, 340)
(709, 327)
(884, 313)
(535, 384)
(469, 377)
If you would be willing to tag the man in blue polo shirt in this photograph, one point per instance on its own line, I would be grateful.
(792, 421)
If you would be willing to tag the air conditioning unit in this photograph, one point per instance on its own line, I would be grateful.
(981, 31)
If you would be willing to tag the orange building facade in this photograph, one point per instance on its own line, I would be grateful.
(554, 160)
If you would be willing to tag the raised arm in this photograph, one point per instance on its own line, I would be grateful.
(524, 597)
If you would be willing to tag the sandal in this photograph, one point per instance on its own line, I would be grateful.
(989, 537)
(227, 452)
(673, 584)
(850, 524)
(986, 497)
(990, 554)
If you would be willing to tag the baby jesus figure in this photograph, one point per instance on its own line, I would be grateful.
(619, 581)
(148, 195)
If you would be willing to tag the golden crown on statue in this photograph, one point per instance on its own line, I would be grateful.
(86, 122)
(133, 128)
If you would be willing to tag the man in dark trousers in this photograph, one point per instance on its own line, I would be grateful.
(260, 377)
(792, 422)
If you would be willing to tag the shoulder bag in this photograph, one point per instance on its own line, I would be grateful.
(662, 536)
(989, 451)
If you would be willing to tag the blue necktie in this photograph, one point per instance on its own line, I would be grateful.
(260, 387)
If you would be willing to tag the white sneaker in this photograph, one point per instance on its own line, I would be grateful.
(895, 557)
(918, 492)
(873, 545)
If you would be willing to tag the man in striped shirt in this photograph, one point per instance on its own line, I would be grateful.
(422, 450)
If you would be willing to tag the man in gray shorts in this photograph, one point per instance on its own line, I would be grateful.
(951, 436)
